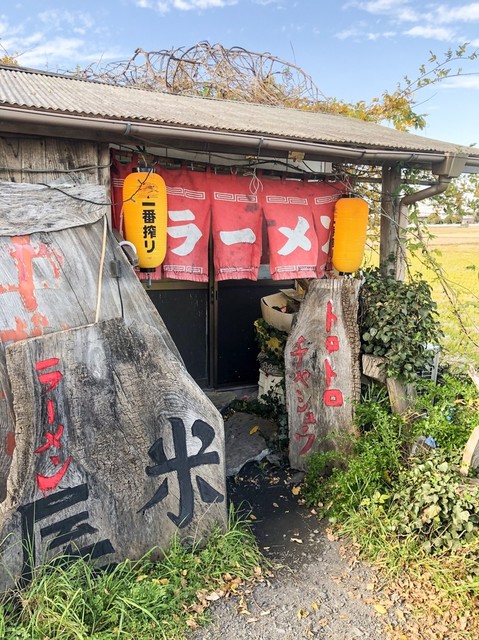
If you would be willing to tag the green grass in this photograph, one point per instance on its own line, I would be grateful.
(381, 499)
(456, 250)
(458, 304)
(142, 600)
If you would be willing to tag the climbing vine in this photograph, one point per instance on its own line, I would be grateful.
(397, 321)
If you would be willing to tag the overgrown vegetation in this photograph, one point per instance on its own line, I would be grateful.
(133, 600)
(272, 407)
(404, 502)
(397, 321)
(271, 343)
(214, 71)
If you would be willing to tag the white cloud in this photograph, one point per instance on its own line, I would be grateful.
(56, 42)
(359, 35)
(55, 50)
(79, 21)
(434, 33)
(461, 82)
(163, 6)
(435, 20)
(466, 13)
(432, 13)
(7, 30)
(378, 6)
(399, 10)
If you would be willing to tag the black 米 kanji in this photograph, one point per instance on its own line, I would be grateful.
(182, 464)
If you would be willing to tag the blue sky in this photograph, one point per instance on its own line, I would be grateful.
(353, 49)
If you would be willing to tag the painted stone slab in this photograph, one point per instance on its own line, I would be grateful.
(117, 449)
(49, 281)
(322, 370)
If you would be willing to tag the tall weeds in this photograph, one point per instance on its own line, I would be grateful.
(143, 600)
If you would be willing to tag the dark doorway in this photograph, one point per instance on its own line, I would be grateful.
(212, 326)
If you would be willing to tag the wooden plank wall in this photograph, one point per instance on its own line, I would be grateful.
(53, 160)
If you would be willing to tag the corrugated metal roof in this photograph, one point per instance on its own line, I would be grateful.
(52, 93)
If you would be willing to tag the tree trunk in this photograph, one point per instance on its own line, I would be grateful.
(117, 449)
(109, 446)
(322, 370)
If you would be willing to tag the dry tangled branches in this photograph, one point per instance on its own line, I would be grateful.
(213, 71)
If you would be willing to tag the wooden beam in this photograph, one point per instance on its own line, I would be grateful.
(393, 223)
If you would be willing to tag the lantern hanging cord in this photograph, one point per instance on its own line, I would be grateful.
(255, 184)
(100, 269)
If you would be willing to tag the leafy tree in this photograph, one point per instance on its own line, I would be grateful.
(461, 198)
(7, 58)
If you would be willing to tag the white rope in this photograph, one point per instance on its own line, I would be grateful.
(100, 271)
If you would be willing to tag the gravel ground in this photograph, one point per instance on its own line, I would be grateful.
(318, 588)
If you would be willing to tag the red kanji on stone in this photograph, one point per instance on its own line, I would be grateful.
(52, 440)
(46, 364)
(330, 317)
(309, 419)
(49, 378)
(302, 403)
(330, 374)
(332, 343)
(48, 483)
(299, 351)
(301, 408)
(310, 438)
(333, 398)
(302, 376)
(51, 411)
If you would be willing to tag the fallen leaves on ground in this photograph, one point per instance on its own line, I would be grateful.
(380, 608)
(331, 536)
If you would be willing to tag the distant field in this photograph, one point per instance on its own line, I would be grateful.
(458, 257)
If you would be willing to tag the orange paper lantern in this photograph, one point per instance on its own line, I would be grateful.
(145, 215)
(349, 237)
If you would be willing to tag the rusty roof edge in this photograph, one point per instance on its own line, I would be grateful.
(136, 131)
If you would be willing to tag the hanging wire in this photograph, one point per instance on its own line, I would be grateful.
(100, 269)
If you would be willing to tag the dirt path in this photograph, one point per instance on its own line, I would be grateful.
(318, 588)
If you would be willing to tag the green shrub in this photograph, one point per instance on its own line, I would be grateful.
(449, 411)
(380, 480)
(372, 467)
(397, 320)
(433, 503)
(271, 342)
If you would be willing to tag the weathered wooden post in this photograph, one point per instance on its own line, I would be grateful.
(322, 370)
(110, 448)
